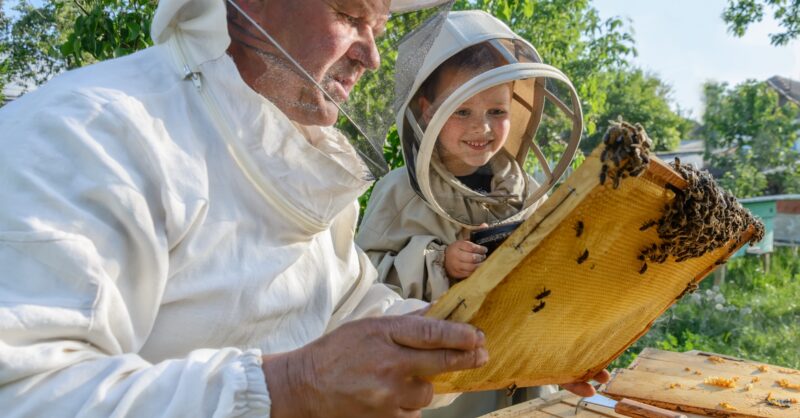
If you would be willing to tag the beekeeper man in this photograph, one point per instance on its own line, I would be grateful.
(176, 232)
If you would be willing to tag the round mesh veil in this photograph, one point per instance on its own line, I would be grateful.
(364, 112)
(476, 120)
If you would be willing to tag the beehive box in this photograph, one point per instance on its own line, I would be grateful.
(709, 384)
(561, 404)
(565, 294)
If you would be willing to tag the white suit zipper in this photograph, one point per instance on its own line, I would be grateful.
(266, 189)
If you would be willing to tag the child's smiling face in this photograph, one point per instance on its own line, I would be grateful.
(477, 129)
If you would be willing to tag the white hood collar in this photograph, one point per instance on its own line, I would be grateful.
(202, 23)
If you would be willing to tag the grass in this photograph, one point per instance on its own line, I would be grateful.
(754, 315)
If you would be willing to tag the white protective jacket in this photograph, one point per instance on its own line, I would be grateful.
(161, 229)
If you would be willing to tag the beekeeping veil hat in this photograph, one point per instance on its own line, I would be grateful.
(480, 56)
(367, 114)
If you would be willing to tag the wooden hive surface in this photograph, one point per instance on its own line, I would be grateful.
(562, 404)
(677, 381)
(596, 308)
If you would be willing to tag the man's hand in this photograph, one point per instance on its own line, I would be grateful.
(462, 257)
(584, 389)
(371, 368)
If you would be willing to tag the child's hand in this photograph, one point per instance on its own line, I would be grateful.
(462, 257)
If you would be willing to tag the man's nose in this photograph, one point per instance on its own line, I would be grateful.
(365, 50)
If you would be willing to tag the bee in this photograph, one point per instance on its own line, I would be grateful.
(643, 269)
(511, 390)
(616, 158)
(544, 293)
(781, 403)
(583, 257)
(648, 225)
(538, 307)
(691, 287)
(637, 171)
(603, 174)
(617, 178)
(461, 303)
(578, 228)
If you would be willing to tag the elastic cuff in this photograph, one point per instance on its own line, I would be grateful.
(253, 400)
(437, 280)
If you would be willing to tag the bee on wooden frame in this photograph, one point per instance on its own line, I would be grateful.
(538, 307)
(579, 228)
(543, 294)
(583, 257)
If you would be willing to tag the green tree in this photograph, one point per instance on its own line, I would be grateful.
(108, 29)
(750, 138)
(570, 36)
(5, 23)
(740, 14)
(29, 42)
(42, 41)
(641, 98)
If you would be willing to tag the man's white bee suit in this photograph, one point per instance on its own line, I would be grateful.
(163, 225)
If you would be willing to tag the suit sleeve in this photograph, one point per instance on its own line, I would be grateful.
(84, 250)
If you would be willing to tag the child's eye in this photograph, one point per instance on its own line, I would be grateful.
(498, 112)
(461, 113)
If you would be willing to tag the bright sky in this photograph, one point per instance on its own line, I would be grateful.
(685, 42)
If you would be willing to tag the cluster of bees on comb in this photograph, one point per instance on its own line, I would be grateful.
(627, 147)
(701, 218)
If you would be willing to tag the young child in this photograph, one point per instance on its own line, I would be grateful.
(416, 250)
(473, 176)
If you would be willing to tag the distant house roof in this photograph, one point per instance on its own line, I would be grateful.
(786, 87)
(689, 152)
(690, 146)
(772, 198)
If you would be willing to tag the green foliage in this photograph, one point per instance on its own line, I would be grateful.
(755, 315)
(641, 98)
(740, 14)
(28, 43)
(744, 180)
(5, 24)
(43, 41)
(570, 36)
(108, 29)
(750, 138)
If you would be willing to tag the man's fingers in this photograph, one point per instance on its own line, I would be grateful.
(581, 389)
(408, 413)
(470, 258)
(471, 247)
(602, 377)
(430, 334)
(433, 362)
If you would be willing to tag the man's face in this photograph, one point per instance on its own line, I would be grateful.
(333, 40)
